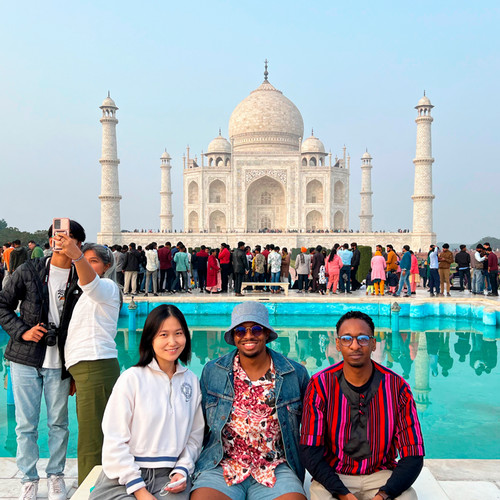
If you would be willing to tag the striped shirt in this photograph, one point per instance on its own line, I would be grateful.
(392, 425)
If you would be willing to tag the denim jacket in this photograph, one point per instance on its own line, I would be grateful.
(217, 389)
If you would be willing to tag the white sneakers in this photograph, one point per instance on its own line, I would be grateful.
(29, 490)
(57, 488)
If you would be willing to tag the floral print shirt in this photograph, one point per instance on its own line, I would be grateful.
(252, 439)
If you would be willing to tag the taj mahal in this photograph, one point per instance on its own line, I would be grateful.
(267, 178)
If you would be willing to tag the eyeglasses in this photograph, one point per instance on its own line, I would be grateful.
(256, 330)
(362, 340)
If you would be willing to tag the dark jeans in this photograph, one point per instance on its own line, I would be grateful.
(225, 271)
(259, 278)
(202, 278)
(461, 274)
(355, 284)
(434, 281)
(302, 281)
(494, 282)
(120, 278)
(238, 279)
(345, 283)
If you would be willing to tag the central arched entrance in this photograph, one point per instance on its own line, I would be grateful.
(266, 207)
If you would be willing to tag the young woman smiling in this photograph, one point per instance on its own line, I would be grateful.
(153, 425)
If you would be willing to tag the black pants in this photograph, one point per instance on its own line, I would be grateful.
(494, 282)
(355, 284)
(202, 278)
(238, 279)
(170, 279)
(225, 271)
(461, 274)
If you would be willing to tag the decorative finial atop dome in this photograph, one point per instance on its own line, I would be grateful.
(110, 96)
(312, 132)
(220, 133)
(266, 73)
(424, 92)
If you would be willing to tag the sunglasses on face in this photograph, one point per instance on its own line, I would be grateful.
(362, 340)
(255, 330)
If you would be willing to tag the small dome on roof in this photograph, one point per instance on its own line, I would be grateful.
(108, 103)
(424, 101)
(219, 145)
(312, 145)
(366, 155)
(165, 156)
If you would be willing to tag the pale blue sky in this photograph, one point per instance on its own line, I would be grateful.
(176, 71)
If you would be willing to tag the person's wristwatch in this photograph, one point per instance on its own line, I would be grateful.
(384, 495)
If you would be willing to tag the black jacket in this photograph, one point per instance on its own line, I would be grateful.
(132, 260)
(356, 258)
(18, 256)
(462, 259)
(240, 261)
(32, 292)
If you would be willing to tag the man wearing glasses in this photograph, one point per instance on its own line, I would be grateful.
(252, 403)
(358, 416)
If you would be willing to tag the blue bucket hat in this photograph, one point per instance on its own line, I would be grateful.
(250, 311)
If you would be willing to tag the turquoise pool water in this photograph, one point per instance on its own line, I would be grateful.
(450, 363)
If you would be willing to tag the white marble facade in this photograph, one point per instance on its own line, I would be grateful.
(266, 176)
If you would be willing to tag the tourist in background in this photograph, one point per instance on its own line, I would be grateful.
(259, 267)
(378, 267)
(274, 264)
(302, 266)
(414, 273)
(181, 260)
(214, 279)
(345, 271)
(462, 260)
(201, 265)
(47, 251)
(333, 265)
(445, 260)
(493, 271)
(167, 275)
(34, 252)
(317, 260)
(153, 425)
(225, 265)
(285, 265)
(130, 267)
(432, 257)
(90, 352)
(18, 256)
(405, 265)
(356, 259)
(152, 266)
(240, 267)
(194, 269)
(392, 268)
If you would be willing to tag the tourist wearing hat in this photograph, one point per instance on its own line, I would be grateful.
(252, 402)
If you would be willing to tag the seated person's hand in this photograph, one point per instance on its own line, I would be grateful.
(181, 487)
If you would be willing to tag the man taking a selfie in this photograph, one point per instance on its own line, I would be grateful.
(48, 291)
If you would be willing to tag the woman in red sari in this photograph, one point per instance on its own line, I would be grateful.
(214, 281)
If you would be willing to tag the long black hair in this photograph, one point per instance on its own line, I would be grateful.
(151, 327)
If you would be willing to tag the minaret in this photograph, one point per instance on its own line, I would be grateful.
(422, 193)
(366, 216)
(110, 191)
(166, 194)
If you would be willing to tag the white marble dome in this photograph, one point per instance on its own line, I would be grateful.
(424, 101)
(366, 155)
(165, 156)
(267, 119)
(219, 145)
(108, 103)
(312, 145)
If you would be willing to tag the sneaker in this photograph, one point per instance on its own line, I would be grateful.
(145, 295)
(29, 491)
(57, 488)
(448, 294)
(431, 294)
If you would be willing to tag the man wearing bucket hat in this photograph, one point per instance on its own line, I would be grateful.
(252, 402)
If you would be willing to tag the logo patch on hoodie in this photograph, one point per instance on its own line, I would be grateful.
(187, 390)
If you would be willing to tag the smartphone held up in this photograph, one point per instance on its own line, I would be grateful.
(59, 226)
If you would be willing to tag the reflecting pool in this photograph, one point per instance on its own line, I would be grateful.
(451, 365)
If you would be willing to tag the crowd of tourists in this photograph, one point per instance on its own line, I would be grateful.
(170, 269)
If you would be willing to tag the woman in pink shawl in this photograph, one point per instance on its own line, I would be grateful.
(332, 269)
(414, 273)
(214, 279)
(378, 272)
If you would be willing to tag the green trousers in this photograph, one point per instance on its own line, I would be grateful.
(94, 382)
